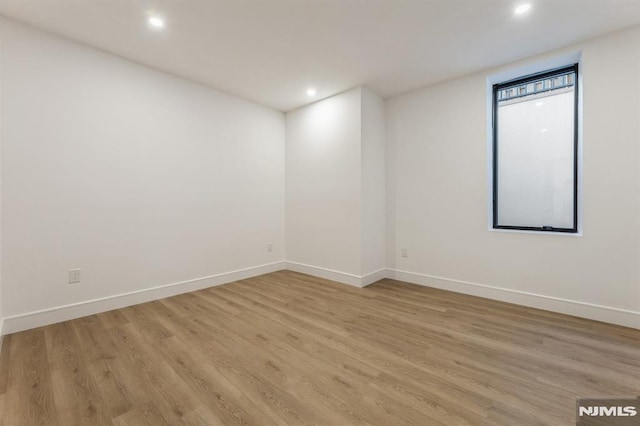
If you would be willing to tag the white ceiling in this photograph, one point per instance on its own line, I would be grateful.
(271, 51)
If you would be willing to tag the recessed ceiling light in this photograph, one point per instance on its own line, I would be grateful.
(522, 9)
(544, 130)
(539, 104)
(311, 92)
(156, 22)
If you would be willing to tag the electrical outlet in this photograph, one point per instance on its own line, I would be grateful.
(269, 247)
(404, 252)
(74, 276)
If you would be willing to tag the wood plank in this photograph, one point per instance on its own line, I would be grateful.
(288, 348)
(79, 401)
(29, 398)
(146, 414)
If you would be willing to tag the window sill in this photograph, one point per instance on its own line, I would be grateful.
(520, 231)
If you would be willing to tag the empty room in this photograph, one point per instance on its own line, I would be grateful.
(328, 212)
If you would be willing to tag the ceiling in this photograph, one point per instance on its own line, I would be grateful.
(272, 51)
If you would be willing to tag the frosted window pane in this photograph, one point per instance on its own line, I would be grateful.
(536, 161)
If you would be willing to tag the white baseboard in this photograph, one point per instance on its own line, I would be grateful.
(35, 319)
(341, 277)
(328, 274)
(373, 277)
(564, 306)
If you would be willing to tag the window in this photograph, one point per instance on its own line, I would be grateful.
(535, 152)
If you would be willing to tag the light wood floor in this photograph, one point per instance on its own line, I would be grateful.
(286, 348)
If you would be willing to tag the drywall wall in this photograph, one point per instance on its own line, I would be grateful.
(335, 188)
(437, 156)
(373, 183)
(139, 178)
(1, 132)
(323, 174)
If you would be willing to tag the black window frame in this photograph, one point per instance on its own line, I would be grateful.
(514, 83)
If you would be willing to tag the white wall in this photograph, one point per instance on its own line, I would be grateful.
(373, 183)
(1, 133)
(437, 155)
(336, 188)
(138, 177)
(323, 178)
